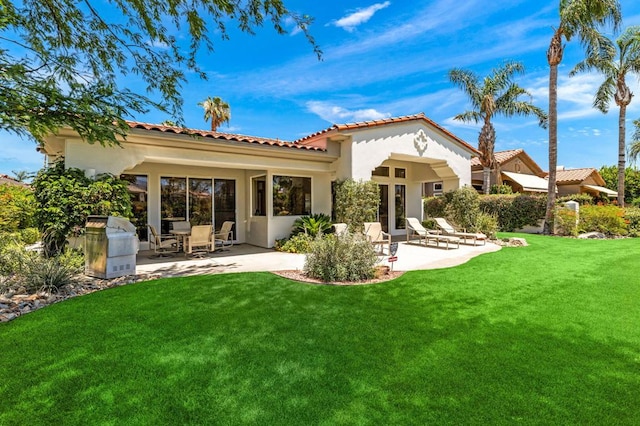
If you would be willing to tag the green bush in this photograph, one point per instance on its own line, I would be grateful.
(514, 211)
(29, 235)
(435, 207)
(582, 199)
(606, 219)
(312, 225)
(632, 218)
(349, 257)
(356, 202)
(65, 197)
(296, 244)
(463, 206)
(48, 274)
(487, 224)
(565, 221)
(501, 189)
(17, 208)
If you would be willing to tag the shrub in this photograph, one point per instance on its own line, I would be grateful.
(565, 221)
(500, 189)
(356, 202)
(435, 207)
(349, 257)
(514, 211)
(606, 219)
(296, 244)
(487, 224)
(632, 217)
(48, 274)
(17, 208)
(65, 197)
(463, 206)
(29, 235)
(312, 225)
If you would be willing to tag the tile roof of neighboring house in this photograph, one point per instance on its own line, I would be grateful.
(312, 139)
(219, 135)
(6, 180)
(501, 156)
(574, 175)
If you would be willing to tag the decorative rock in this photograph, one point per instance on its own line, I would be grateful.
(597, 235)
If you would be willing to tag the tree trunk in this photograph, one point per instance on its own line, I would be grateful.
(486, 179)
(486, 144)
(554, 57)
(621, 152)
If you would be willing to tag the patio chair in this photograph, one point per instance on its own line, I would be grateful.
(224, 237)
(184, 225)
(339, 229)
(415, 228)
(376, 236)
(163, 245)
(448, 229)
(200, 238)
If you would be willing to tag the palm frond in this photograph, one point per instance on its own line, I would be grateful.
(605, 94)
(470, 116)
(468, 82)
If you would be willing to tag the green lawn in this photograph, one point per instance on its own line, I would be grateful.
(547, 334)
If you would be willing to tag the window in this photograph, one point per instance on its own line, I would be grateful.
(400, 206)
(200, 201)
(381, 171)
(138, 189)
(401, 173)
(259, 195)
(291, 196)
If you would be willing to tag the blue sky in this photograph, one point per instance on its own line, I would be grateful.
(391, 58)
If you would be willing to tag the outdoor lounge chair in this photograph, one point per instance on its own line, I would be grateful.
(163, 245)
(448, 229)
(224, 237)
(415, 228)
(376, 236)
(200, 238)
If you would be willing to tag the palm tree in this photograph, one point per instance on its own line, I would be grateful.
(577, 18)
(22, 175)
(497, 94)
(216, 110)
(615, 87)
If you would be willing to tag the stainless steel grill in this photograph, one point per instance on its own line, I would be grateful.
(111, 245)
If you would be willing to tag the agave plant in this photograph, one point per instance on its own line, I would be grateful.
(312, 225)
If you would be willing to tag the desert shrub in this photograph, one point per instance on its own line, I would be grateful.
(435, 207)
(17, 208)
(48, 274)
(296, 244)
(606, 219)
(348, 257)
(582, 199)
(514, 211)
(65, 197)
(632, 218)
(73, 258)
(312, 225)
(487, 224)
(14, 258)
(501, 189)
(29, 235)
(430, 223)
(565, 221)
(463, 206)
(356, 202)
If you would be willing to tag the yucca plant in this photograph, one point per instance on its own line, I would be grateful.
(312, 225)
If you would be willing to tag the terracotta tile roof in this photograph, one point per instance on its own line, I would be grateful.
(574, 175)
(501, 156)
(219, 135)
(312, 139)
(7, 180)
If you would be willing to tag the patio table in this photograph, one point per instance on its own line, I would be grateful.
(181, 234)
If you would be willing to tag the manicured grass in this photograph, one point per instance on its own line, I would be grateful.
(547, 334)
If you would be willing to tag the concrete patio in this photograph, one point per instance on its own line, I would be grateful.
(247, 258)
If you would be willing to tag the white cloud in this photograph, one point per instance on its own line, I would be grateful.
(360, 16)
(337, 114)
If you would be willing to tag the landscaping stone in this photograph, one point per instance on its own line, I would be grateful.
(597, 235)
(512, 242)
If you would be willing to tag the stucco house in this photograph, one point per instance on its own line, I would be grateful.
(264, 184)
(585, 180)
(516, 169)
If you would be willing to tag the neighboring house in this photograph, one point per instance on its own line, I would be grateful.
(264, 184)
(514, 168)
(578, 181)
(7, 180)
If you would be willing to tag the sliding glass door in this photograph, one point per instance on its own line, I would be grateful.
(224, 202)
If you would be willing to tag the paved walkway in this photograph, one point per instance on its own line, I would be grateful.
(247, 258)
